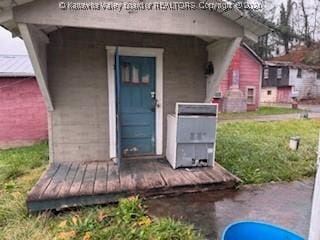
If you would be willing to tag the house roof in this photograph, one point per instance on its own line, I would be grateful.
(252, 52)
(244, 19)
(15, 66)
(250, 24)
(299, 57)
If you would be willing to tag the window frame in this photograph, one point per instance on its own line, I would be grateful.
(253, 95)
(266, 70)
(279, 73)
(299, 73)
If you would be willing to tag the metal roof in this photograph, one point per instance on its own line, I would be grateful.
(15, 66)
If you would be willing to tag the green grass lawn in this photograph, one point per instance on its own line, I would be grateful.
(21, 168)
(258, 152)
(16, 162)
(262, 111)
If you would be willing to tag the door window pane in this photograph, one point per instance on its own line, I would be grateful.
(125, 72)
(145, 78)
(135, 74)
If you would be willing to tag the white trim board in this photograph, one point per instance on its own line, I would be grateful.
(137, 52)
(314, 231)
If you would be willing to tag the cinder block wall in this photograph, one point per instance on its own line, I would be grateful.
(23, 115)
(77, 68)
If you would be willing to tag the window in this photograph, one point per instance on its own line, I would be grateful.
(318, 74)
(299, 73)
(279, 73)
(251, 95)
(145, 78)
(125, 73)
(266, 73)
(133, 74)
(269, 92)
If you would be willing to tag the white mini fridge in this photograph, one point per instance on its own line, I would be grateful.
(191, 135)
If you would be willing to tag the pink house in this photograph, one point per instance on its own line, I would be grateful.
(240, 89)
(23, 115)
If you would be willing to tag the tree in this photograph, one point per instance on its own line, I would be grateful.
(285, 30)
(291, 22)
(307, 34)
(316, 30)
(265, 15)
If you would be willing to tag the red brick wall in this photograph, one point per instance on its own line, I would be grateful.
(23, 115)
(250, 75)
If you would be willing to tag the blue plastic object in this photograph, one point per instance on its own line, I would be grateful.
(249, 230)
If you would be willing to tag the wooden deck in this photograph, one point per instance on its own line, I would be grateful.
(74, 184)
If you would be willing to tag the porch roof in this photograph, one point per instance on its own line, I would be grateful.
(252, 27)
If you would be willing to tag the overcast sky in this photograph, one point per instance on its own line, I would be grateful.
(9, 45)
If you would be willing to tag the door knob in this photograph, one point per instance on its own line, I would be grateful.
(154, 104)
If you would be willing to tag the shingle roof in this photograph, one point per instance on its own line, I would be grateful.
(15, 65)
(300, 56)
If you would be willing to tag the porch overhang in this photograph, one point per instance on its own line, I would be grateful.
(218, 23)
(194, 23)
(224, 29)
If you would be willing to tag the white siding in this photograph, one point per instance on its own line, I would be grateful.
(305, 87)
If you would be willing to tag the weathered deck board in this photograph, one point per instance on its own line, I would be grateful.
(68, 185)
(149, 177)
(87, 186)
(57, 181)
(43, 182)
(202, 177)
(100, 185)
(64, 191)
(76, 185)
(113, 179)
(177, 177)
(128, 176)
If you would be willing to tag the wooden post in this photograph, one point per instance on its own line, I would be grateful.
(314, 231)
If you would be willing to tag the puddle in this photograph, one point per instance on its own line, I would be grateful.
(285, 204)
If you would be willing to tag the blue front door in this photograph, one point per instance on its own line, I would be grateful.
(137, 105)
